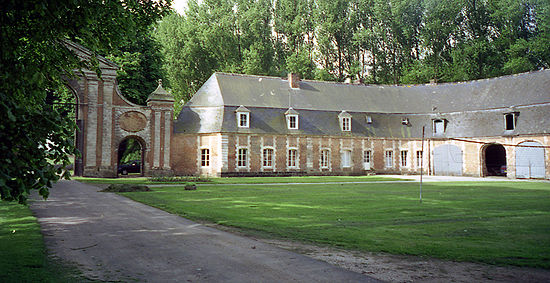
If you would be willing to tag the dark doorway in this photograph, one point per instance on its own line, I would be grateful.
(495, 160)
(130, 157)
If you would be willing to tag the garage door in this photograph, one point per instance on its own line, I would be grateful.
(448, 160)
(530, 161)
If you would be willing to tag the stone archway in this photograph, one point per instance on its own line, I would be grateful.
(494, 160)
(106, 118)
(130, 156)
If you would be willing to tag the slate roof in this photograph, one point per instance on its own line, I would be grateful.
(474, 108)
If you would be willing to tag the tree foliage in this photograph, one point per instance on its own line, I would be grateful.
(140, 63)
(35, 62)
(374, 41)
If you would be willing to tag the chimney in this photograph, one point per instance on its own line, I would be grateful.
(294, 80)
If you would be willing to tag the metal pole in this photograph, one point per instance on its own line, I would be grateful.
(422, 163)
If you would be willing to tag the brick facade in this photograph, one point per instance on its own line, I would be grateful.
(187, 159)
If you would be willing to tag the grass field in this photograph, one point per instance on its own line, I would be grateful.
(491, 222)
(22, 252)
(246, 180)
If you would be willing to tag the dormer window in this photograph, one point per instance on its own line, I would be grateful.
(369, 119)
(243, 117)
(291, 119)
(345, 121)
(439, 126)
(510, 121)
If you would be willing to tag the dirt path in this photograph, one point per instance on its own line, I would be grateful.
(111, 238)
(395, 268)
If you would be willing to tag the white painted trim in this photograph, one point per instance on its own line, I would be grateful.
(297, 159)
(247, 114)
(272, 157)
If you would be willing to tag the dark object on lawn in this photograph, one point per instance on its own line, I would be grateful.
(125, 188)
(190, 186)
(133, 167)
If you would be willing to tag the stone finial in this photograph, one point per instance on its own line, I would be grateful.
(160, 94)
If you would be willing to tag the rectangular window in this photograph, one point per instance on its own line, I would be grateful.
(292, 156)
(509, 121)
(367, 157)
(404, 158)
(346, 124)
(242, 157)
(205, 157)
(389, 158)
(267, 157)
(325, 158)
(419, 158)
(292, 122)
(243, 120)
(439, 126)
(346, 158)
(369, 119)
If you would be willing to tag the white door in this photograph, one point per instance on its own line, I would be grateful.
(448, 160)
(530, 160)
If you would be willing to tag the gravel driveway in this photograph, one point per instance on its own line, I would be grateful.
(111, 238)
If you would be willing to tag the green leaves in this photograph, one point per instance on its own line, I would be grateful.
(36, 138)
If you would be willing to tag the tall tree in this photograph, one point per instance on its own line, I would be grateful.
(140, 63)
(34, 61)
(336, 22)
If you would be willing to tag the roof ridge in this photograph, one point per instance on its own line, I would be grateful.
(387, 85)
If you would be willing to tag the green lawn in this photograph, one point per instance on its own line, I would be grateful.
(492, 222)
(22, 252)
(246, 180)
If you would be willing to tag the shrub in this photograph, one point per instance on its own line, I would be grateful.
(190, 186)
(179, 179)
(124, 188)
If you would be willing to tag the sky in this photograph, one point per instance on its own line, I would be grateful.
(179, 5)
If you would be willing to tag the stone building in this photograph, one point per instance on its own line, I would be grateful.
(242, 125)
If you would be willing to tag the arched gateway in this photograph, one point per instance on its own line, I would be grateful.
(106, 118)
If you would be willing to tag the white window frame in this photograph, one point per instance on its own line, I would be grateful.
(270, 160)
(345, 121)
(404, 158)
(388, 158)
(205, 158)
(289, 123)
(324, 161)
(292, 160)
(514, 119)
(242, 163)
(435, 122)
(239, 120)
(367, 159)
(369, 119)
(419, 157)
(347, 158)
(346, 124)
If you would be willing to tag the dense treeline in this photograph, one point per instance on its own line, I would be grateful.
(374, 41)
